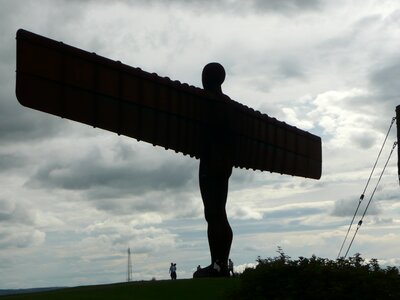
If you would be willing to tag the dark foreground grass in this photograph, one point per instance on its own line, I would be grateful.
(273, 278)
(204, 289)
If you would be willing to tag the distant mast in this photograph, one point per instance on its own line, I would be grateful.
(129, 275)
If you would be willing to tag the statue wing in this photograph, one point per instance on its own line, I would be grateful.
(78, 85)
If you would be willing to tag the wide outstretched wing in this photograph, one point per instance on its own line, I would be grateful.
(71, 83)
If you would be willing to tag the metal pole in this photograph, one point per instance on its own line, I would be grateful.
(129, 277)
(398, 139)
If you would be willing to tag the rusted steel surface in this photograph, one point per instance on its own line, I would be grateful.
(71, 83)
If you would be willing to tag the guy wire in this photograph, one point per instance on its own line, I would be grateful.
(365, 188)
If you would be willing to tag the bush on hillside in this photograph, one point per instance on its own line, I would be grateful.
(318, 278)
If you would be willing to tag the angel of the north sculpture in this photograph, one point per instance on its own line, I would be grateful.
(204, 123)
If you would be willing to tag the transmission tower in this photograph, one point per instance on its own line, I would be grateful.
(129, 273)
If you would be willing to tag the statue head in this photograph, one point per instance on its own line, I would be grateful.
(213, 76)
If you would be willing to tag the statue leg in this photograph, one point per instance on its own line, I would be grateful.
(214, 192)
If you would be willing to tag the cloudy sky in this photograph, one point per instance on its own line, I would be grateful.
(74, 198)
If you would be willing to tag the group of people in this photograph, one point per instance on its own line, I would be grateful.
(172, 271)
(217, 269)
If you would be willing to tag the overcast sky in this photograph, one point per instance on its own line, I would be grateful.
(74, 198)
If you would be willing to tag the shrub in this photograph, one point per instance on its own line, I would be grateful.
(318, 278)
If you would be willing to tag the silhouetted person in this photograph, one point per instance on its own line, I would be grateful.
(214, 172)
(230, 267)
(172, 271)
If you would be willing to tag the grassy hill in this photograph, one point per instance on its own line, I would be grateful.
(215, 288)
(274, 278)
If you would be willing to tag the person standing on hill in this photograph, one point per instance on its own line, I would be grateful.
(172, 271)
(230, 267)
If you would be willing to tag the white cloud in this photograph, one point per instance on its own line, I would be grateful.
(245, 213)
(240, 268)
(341, 115)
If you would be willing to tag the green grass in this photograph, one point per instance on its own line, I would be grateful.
(204, 289)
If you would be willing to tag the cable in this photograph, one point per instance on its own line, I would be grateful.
(365, 188)
(351, 223)
(370, 199)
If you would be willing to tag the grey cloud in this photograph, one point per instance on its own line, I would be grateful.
(10, 161)
(287, 6)
(123, 151)
(385, 70)
(387, 191)
(15, 213)
(240, 178)
(239, 7)
(142, 240)
(394, 18)
(18, 123)
(364, 140)
(279, 70)
(347, 208)
(290, 69)
(367, 22)
(383, 221)
(124, 184)
(102, 180)
(22, 124)
(385, 90)
(293, 212)
(266, 70)
(385, 80)
(176, 204)
(352, 35)
(20, 237)
(245, 179)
